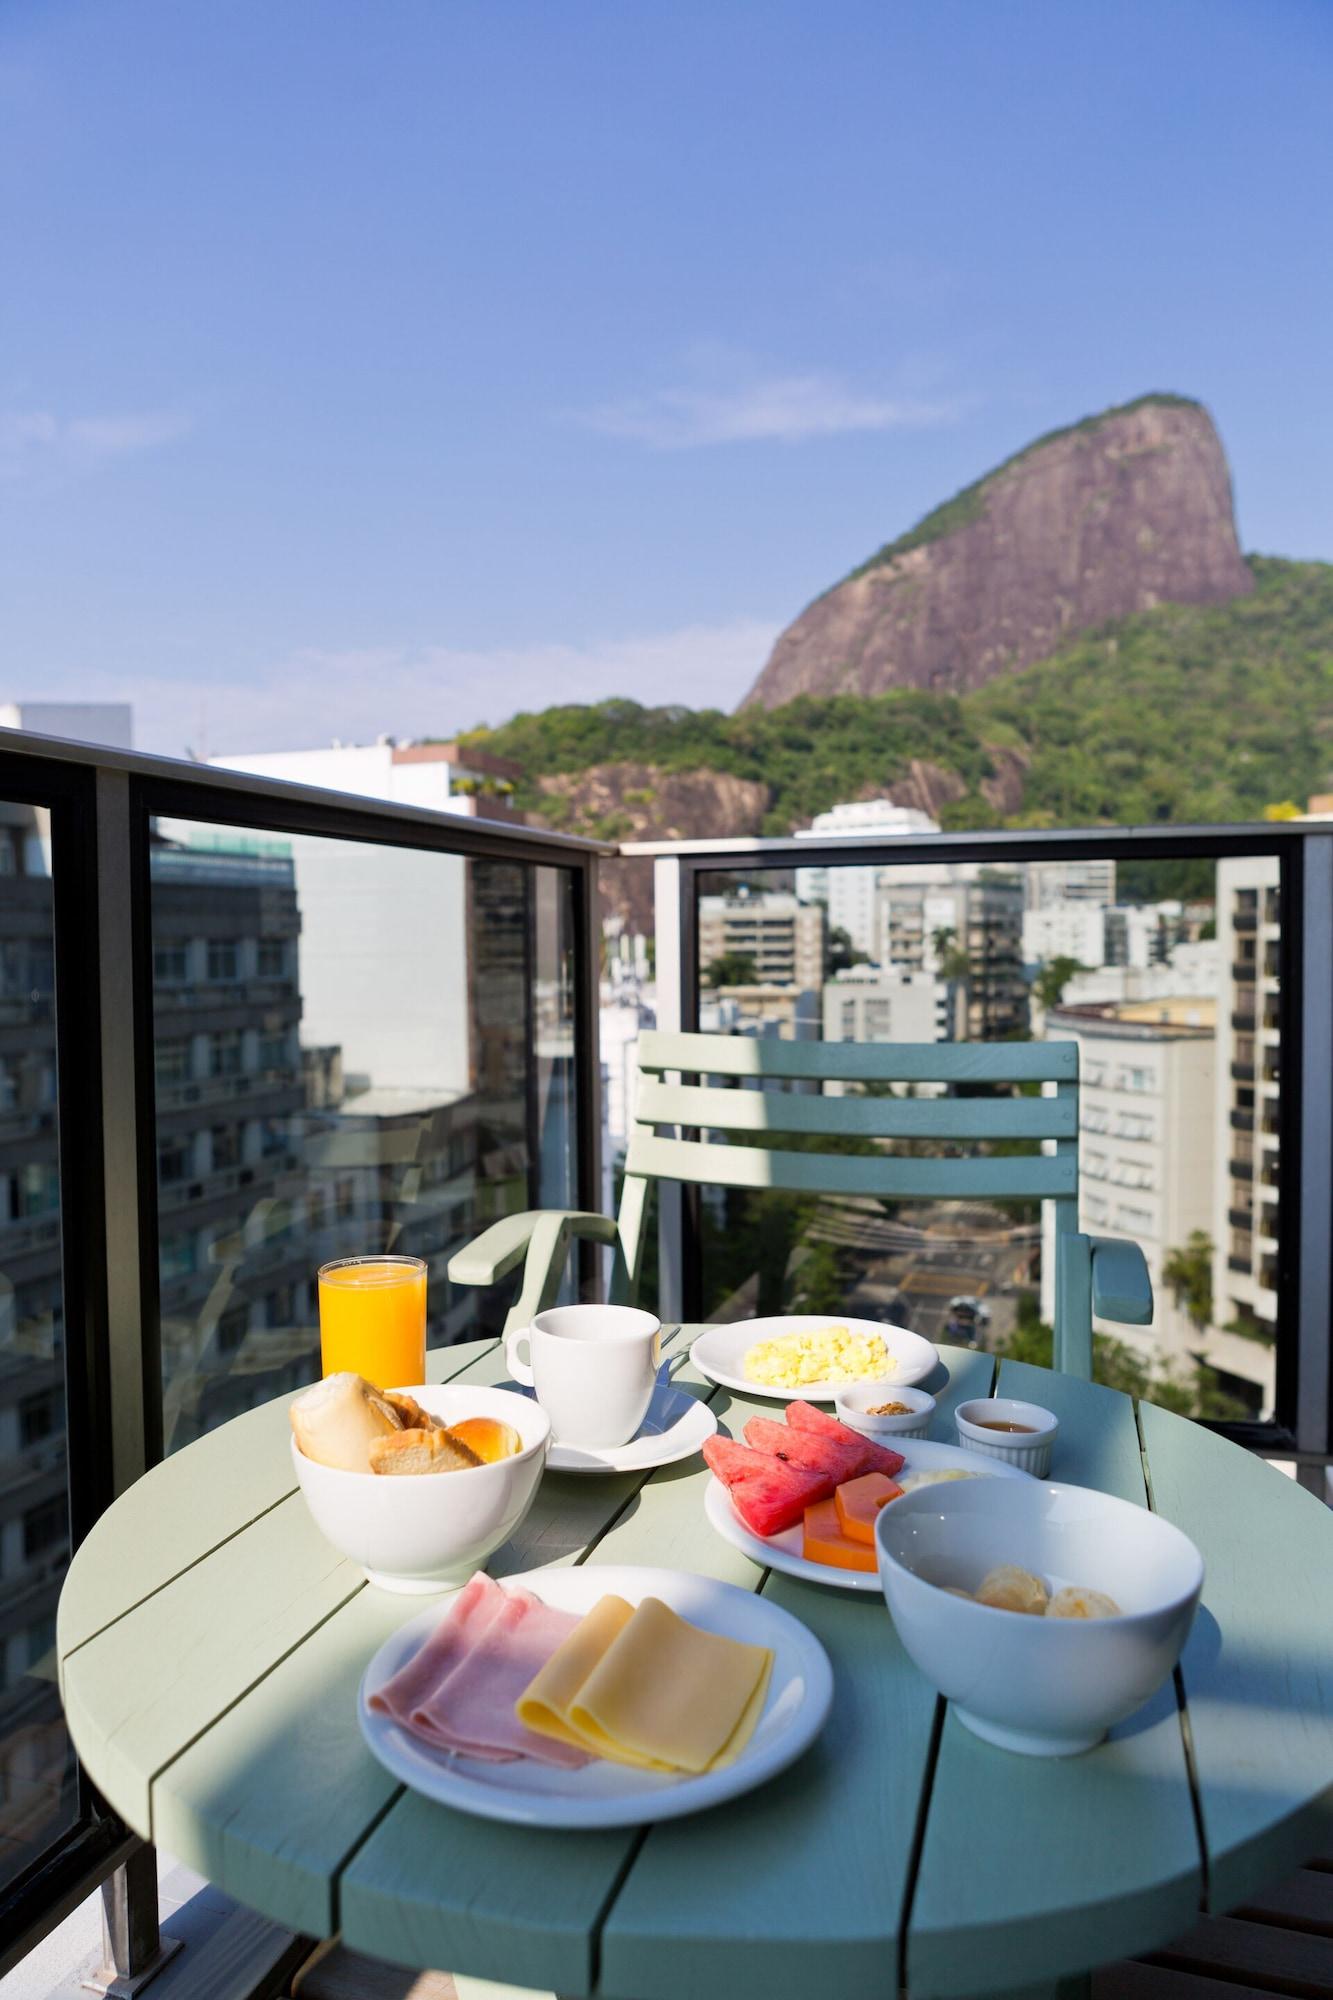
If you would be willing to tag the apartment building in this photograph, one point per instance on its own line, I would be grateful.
(1048, 883)
(1147, 1146)
(978, 913)
(866, 1004)
(1245, 1202)
(783, 937)
(848, 892)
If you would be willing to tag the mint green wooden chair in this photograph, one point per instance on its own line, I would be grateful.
(1100, 1275)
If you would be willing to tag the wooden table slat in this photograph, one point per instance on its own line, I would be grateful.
(1258, 1666)
(184, 1507)
(673, 1928)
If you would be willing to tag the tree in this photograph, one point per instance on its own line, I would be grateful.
(842, 953)
(732, 968)
(951, 960)
(1189, 1273)
(1049, 985)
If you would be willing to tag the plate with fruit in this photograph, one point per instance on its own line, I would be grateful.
(811, 1355)
(803, 1497)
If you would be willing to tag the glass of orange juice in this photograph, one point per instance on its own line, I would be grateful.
(372, 1319)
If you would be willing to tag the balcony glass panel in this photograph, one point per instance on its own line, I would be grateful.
(376, 1054)
(1149, 976)
(38, 1801)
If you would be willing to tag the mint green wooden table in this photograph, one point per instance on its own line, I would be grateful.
(211, 1644)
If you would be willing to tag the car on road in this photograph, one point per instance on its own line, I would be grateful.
(966, 1321)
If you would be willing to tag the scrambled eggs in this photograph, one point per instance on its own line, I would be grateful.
(834, 1354)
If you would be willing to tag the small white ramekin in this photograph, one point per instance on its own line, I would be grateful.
(853, 1402)
(1030, 1450)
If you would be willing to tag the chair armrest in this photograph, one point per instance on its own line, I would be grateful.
(540, 1238)
(1121, 1286)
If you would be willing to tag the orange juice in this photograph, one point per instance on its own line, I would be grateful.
(372, 1319)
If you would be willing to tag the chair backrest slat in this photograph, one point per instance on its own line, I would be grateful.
(698, 1107)
(858, 1062)
(1038, 1176)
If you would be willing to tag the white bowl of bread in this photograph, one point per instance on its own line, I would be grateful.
(417, 1485)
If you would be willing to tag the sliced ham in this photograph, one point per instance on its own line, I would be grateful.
(457, 1632)
(471, 1710)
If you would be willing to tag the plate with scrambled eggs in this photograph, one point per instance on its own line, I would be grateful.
(811, 1355)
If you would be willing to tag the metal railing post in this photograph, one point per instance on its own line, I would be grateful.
(674, 924)
(1315, 1175)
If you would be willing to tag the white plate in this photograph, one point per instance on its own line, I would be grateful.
(674, 1428)
(720, 1354)
(784, 1551)
(602, 1794)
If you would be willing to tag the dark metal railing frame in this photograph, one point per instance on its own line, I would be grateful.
(101, 804)
(1303, 1428)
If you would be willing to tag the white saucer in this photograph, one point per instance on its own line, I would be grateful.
(784, 1551)
(674, 1428)
(720, 1353)
(604, 1794)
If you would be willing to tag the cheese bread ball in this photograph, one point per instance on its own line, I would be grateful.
(1008, 1588)
(1075, 1602)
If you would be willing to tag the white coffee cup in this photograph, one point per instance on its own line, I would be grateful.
(593, 1368)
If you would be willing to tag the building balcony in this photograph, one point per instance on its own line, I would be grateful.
(1245, 921)
(242, 1243)
(1244, 971)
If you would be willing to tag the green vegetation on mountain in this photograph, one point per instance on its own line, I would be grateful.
(967, 505)
(1185, 713)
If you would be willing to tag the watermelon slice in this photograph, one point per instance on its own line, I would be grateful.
(840, 1458)
(804, 1417)
(767, 1493)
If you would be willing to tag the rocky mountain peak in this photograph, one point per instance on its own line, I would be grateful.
(1113, 515)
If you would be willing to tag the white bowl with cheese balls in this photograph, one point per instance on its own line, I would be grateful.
(1045, 1685)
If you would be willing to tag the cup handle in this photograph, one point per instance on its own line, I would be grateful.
(520, 1370)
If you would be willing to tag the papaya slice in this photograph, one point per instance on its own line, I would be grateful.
(858, 1502)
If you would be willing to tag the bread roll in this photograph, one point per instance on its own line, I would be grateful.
(421, 1451)
(338, 1420)
(408, 1414)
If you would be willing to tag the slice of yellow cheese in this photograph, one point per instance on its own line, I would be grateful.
(646, 1688)
(545, 1703)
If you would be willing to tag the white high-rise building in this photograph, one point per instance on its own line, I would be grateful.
(866, 1004)
(1245, 1200)
(109, 723)
(1147, 1140)
(1049, 882)
(849, 891)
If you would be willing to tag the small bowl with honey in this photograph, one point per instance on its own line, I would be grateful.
(884, 1410)
(1001, 1427)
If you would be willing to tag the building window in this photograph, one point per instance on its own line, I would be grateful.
(272, 958)
(224, 1053)
(273, 1137)
(37, 1190)
(232, 1329)
(226, 1146)
(45, 1527)
(39, 1416)
(273, 1052)
(171, 1062)
(178, 1253)
(173, 1160)
(171, 963)
(223, 958)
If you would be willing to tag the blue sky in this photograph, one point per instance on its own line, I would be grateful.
(394, 365)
